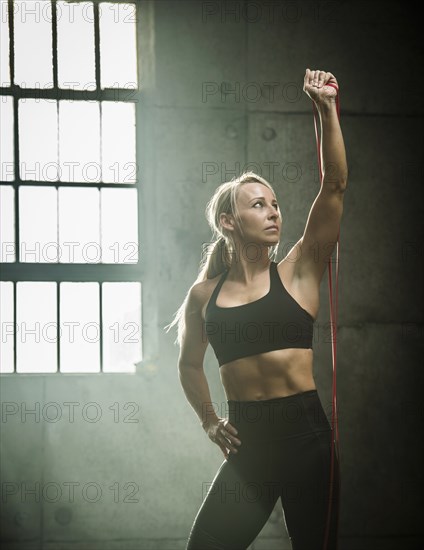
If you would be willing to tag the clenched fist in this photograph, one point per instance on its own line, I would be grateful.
(320, 86)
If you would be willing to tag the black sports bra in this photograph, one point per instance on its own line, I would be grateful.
(275, 321)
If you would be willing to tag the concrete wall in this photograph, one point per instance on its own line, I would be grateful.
(191, 138)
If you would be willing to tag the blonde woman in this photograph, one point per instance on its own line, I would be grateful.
(258, 316)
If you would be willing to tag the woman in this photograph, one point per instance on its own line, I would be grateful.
(258, 316)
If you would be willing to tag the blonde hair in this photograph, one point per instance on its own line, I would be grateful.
(219, 253)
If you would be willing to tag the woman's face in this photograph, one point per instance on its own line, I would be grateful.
(258, 211)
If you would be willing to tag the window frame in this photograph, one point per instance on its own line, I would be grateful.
(80, 272)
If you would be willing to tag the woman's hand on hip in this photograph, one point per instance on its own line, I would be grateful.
(222, 433)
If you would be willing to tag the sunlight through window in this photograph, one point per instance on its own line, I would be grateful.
(69, 193)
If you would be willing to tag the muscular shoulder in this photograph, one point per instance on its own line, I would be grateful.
(201, 292)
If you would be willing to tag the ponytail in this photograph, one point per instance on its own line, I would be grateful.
(216, 262)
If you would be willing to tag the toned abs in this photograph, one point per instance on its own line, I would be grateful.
(272, 374)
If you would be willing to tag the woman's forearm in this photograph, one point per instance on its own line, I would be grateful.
(333, 153)
(196, 389)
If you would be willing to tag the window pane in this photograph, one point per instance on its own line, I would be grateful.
(79, 228)
(79, 141)
(118, 61)
(38, 139)
(75, 46)
(119, 227)
(6, 326)
(7, 224)
(79, 327)
(33, 44)
(121, 326)
(6, 139)
(4, 45)
(36, 327)
(118, 142)
(38, 224)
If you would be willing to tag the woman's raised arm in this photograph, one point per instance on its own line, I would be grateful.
(322, 227)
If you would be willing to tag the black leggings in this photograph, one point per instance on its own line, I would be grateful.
(285, 453)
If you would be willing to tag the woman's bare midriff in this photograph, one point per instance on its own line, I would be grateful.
(268, 375)
(277, 373)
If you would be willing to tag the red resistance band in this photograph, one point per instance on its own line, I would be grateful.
(333, 316)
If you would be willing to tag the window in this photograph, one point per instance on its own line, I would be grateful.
(70, 290)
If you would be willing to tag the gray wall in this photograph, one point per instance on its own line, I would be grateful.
(372, 49)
